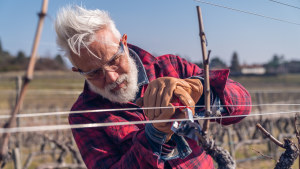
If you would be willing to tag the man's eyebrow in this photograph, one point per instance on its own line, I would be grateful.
(115, 55)
(112, 59)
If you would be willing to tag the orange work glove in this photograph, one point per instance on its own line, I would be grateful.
(162, 92)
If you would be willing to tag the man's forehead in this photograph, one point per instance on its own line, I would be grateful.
(106, 37)
(106, 40)
(104, 45)
(104, 50)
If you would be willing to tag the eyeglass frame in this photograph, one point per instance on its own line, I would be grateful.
(120, 50)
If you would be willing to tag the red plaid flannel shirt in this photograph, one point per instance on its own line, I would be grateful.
(126, 146)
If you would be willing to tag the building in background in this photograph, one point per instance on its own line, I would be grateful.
(253, 69)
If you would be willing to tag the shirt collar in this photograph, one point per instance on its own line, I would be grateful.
(142, 76)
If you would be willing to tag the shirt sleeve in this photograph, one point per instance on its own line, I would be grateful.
(114, 146)
(234, 98)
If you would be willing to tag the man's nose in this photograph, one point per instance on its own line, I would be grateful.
(111, 76)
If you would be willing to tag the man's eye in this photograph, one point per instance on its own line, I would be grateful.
(115, 61)
(94, 73)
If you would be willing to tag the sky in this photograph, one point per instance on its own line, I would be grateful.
(170, 27)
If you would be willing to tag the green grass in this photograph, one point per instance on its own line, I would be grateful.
(42, 81)
(291, 81)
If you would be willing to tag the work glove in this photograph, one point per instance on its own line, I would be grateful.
(164, 91)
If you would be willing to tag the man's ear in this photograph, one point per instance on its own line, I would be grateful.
(124, 39)
(74, 69)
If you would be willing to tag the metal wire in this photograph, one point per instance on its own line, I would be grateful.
(76, 92)
(285, 4)
(107, 124)
(248, 12)
(126, 109)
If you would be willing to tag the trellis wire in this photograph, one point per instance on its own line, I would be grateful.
(125, 109)
(285, 4)
(247, 12)
(107, 124)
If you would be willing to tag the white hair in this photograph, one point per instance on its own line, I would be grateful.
(76, 26)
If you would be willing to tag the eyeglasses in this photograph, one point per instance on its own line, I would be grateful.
(112, 65)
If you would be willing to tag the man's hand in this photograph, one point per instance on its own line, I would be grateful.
(164, 91)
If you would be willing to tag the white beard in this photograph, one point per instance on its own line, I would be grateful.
(125, 94)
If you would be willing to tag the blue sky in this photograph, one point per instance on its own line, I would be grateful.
(169, 27)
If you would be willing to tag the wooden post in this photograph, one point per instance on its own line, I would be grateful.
(273, 146)
(29, 75)
(231, 142)
(16, 158)
(206, 72)
(19, 135)
(259, 102)
(57, 122)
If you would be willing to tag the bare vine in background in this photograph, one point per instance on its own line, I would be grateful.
(291, 152)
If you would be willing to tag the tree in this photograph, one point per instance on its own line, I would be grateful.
(49, 64)
(5, 57)
(59, 59)
(276, 65)
(1, 50)
(276, 61)
(21, 58)
(199, 64)
(235, 64)
(217, 63)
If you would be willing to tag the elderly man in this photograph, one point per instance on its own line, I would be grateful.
(117, 74)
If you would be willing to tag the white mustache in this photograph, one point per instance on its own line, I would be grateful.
(120, 80)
